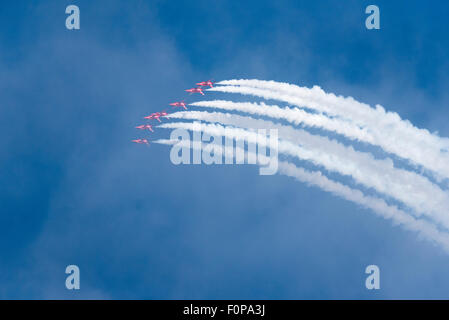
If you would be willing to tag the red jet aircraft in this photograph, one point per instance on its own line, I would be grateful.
(179, 104)
(157, 115)
(145, 127)
(205, 83)
(141, 141)
(199, 90)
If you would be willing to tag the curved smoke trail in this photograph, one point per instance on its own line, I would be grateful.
(426, 202)
(387, 129)
(424, 229)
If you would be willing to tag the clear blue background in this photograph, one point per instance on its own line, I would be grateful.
(74, 190)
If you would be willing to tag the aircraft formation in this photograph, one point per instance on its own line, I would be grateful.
(179, 104)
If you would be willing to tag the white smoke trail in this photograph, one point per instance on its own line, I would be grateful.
(388, 130)
(293, 115)
(408, 187)
(379, 206)
(349, 107)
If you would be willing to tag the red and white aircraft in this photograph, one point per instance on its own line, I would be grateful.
(141, 141)
(179, 104)
(145, 127)
(199, 90)
(157, 115)
(205, 83)
(151, 116)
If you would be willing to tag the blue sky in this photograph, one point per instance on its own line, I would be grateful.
(74, 190)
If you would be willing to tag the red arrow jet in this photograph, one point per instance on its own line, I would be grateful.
(205, 83)
(157, 115)
(145, 127)
(179, 104)
(199, 90)
(141, 141)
